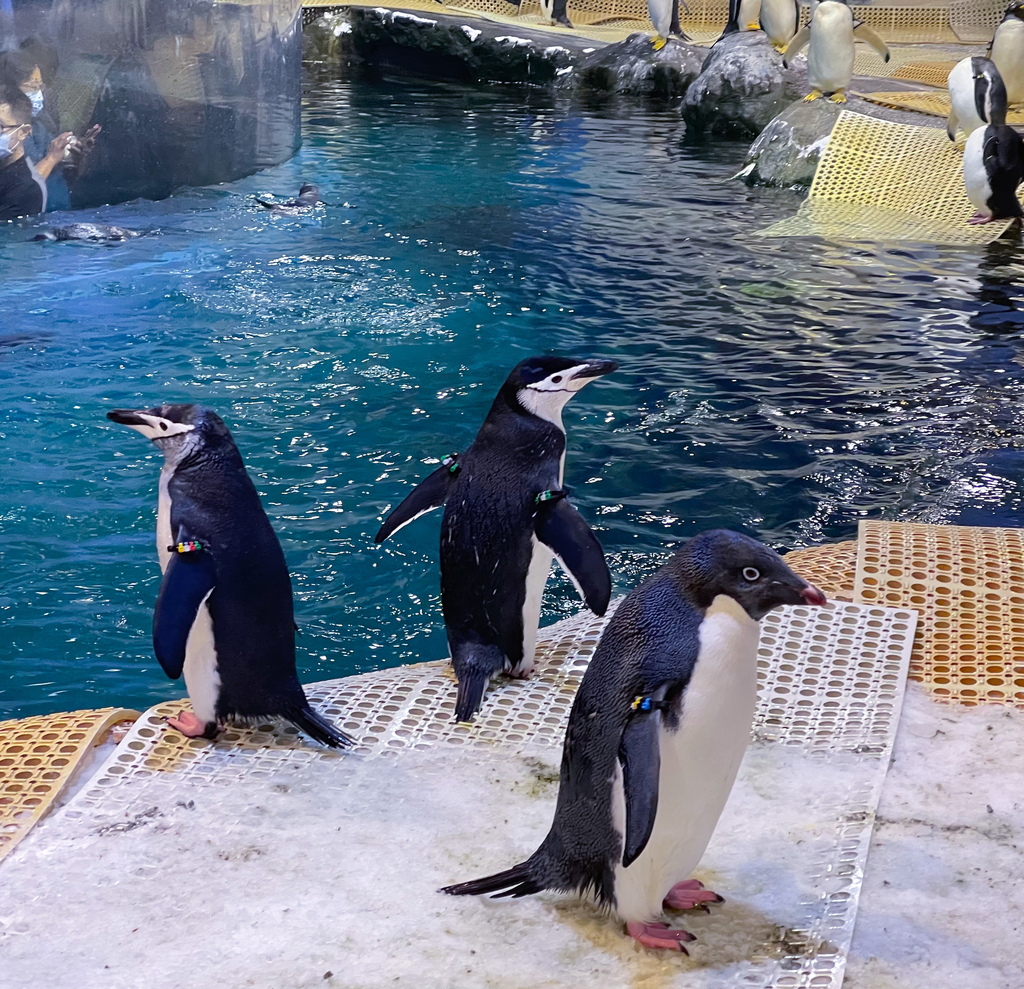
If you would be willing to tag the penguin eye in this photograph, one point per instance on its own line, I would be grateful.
(751, 574)
(163, 426)
(557, 378)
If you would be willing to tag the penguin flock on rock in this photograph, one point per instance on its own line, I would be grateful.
(663, 713)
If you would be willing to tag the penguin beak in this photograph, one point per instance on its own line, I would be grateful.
(126, 417)
(595, 369)
(813, 596)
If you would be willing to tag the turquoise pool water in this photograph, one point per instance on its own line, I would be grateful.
(787, 388)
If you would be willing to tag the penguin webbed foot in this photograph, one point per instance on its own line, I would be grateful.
(980, 218)
(658, 42)
(691, 894)
(659, 936)
(191, 727)
(814, 94)
(838, 97)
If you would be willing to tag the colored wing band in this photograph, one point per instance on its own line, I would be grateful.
(189, 546)
(452, 463)
(641, 703)
(550, 495)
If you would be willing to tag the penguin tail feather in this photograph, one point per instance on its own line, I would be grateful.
(474, 665)
(320, 729)
(517, 881)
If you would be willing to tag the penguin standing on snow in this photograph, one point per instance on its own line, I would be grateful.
(224, 613)
(1007, 51)
(976, 91)
(743, 16)
(656, 734)
(780, 20)
(506, 516)
(830, 38)
(664, 16)
(994, 153)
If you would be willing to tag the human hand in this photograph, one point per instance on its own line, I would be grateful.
(59, 146)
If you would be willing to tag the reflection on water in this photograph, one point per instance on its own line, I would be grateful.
(787, 388)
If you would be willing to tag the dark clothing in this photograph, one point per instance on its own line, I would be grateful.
(22, 193)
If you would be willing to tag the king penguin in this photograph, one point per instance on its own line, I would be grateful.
(224, 612)
(506, 517)
(1007, 51)
(780, 20)
(830, 37)
(976, 91)
(994, 153)
(743, 16)
(656, 734)
(664, 16)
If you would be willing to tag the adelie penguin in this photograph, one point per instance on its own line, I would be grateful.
(224, 613)
(830, 38)
(506, 516)
(656, 734)
(994, 153)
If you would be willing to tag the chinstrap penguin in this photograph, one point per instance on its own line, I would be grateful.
(976, 92)
(224, 612)
(779, 21)
(743, 16)
(506, 516)
(656, 734)
(1007, 51)
(308, 197)
(664, 15)
(88, 231)
(830, 38)
(993, 162)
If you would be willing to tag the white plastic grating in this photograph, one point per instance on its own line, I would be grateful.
(832, 681)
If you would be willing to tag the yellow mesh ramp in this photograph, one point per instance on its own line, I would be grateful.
(933, 102)
(930, 73)
(880, 181)
(37, 758)
(831, 567)
(968, 585)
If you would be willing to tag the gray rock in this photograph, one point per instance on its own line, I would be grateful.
(327, 41)
(741, 87)
(633, 66)
(787, 151)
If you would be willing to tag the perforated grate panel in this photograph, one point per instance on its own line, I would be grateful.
(976, 20)
(968, 583)
(831, 567)
(933, 102)
(930, 73)
(38, 756)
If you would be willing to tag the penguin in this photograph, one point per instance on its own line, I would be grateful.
(831, 35)
(88, 231)
(664, 16)
(224, 612)
(506, 516)
(309, 196)
(1007, 51)
(975, 90)
(743, 16)
(555, 11)
(655, 737)
(780, 20)
(994, 153)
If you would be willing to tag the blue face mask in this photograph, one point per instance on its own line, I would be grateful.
(36, 98)
(5, 144)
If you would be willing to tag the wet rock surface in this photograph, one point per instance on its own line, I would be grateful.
(634, 67)
(741, 87)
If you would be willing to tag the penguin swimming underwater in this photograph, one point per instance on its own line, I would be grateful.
(743, 16)
(224, 613)
(976, 90)
(656, 734)
(994, 154)
(1007, 51)
(308, 197)
(506, 516)
(830, 37)
(780, 20)
(664, 15)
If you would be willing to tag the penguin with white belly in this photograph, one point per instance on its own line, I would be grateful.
(743, 16)
(976, 92)
(830, 37)
(994, 153)
(506, 517)
(1007, 51)
(224, 613)
(780, 20)
(656, 734)
(664, 16)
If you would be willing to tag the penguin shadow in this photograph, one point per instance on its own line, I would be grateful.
(732, 936)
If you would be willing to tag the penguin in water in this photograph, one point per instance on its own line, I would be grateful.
(664, 16)
(224, 612)
(976, 90)
(308, 197)
(556, 12)
(506, 516)
(656, 734)
(88, 231)
(830, 37)
(994, 153)
(780, 20)
(743, 16)
(1007, 51)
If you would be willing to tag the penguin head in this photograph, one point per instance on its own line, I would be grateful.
(1015, 9)
(989, 91)
(176, 429)
(541, 386)
(756, 577)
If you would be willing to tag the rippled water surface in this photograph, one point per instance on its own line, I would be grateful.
(784, 387)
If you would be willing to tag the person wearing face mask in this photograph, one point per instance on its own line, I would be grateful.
(22, 188)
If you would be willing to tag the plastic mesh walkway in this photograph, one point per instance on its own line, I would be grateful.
(831, 567)
(38, 756)
(882, 181)
(934, 102)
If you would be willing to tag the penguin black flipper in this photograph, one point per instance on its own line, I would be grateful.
(1003, 156)
(733, 24)
(675, 28)
(640, 758)
(563, 530)
(425, 497)
(861, 32)
(187, 582)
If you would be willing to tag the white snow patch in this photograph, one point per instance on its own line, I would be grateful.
(470, 32)
(555, 49)
(818, 147)
(343, 28)
(399, 15)
(518, 42)
(563, 72)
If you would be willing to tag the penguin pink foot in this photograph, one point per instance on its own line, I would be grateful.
(691, 893)
(659, 936)
(979, 218)
(188, 724)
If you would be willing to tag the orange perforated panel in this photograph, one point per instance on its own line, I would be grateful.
(830, 567)
(930, 73)
(37, 758)
(933, 102)
(968, 585)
